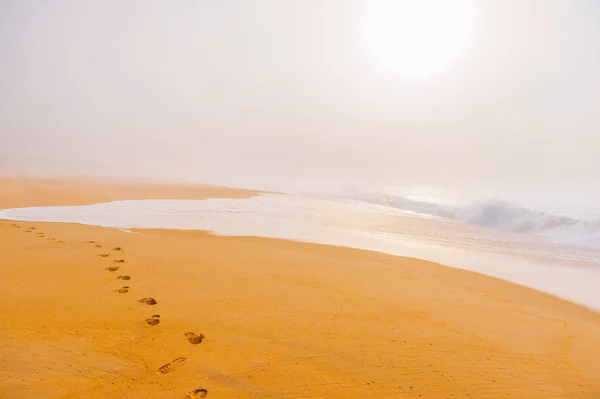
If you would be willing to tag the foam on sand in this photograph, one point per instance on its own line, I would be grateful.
(559, 270)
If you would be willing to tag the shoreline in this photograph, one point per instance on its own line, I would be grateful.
(281, 319)
(262, 215)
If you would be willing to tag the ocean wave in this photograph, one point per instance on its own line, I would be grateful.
(498, 214)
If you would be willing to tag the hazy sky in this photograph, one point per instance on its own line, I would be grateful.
(278, 93)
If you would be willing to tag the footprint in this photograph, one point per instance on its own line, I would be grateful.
(51, 239)
(119, 261)
(27, 231)
(122, 277)
(174, 365)
(98, 246)
(112, 268)
(89, 242)
(32, 228)
(103, 255)
(148, 301)
(117, 249)
(60, 242)
(197, 394)
(154, 320)
(193, 338)
(123, 290)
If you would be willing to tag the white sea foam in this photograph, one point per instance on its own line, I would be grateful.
(560, 270)
(497, 214)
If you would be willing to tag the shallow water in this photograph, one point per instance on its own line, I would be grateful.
(570, 273)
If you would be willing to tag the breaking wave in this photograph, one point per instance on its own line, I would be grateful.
(501, 215)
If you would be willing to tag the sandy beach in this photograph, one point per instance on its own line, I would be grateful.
(280, 319)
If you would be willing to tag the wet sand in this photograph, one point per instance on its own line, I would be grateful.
(280, 319)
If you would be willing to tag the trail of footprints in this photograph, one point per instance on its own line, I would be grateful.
(38, 234)
(151, 321)
(154, 320)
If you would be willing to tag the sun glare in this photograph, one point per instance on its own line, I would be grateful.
(417, 39)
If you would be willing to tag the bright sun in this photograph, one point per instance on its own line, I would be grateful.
(417, 39)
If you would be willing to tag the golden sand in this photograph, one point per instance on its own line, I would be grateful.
(278, 319)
